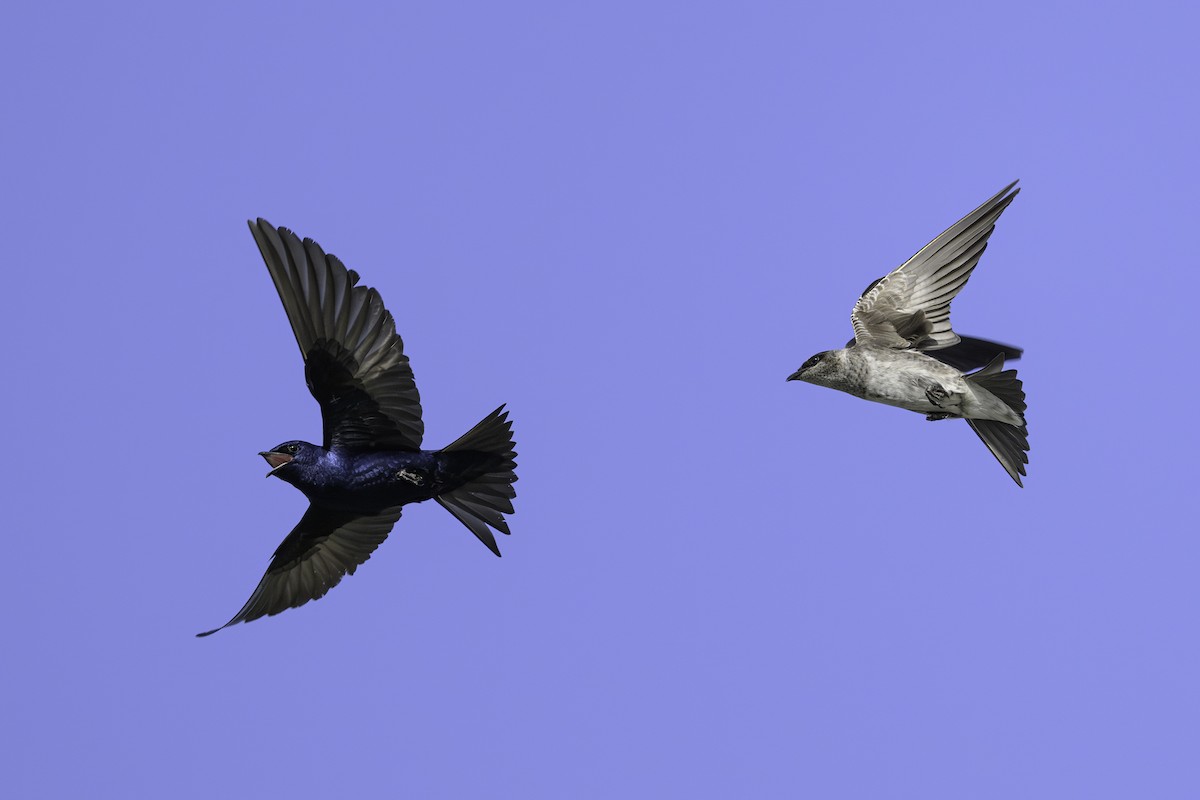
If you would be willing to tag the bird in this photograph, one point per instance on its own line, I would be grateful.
(370, 463)
(904, 352)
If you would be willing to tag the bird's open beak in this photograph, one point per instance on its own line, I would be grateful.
(795, 376)
(276, 460)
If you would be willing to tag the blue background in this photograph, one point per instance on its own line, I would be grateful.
(630, 222)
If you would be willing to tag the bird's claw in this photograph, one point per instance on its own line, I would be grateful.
(412, 477)
(935, 394)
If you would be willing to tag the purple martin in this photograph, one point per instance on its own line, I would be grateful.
(370, 463)
(904, 352)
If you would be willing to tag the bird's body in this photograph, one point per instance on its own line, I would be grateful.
(911, 380)
(905, 354)
(373, 481)
(370, 463)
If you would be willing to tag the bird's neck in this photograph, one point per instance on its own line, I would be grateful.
(328, 470)
(851, 366)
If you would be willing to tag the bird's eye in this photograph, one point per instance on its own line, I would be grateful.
(812, 362)
(293, 449)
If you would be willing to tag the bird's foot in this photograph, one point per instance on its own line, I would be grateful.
(936, 394)
(936, 417)
(412, 477)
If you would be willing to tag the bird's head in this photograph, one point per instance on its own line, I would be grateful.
(819, 369)
(285, 457)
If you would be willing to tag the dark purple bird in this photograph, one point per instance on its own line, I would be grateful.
(370, 463)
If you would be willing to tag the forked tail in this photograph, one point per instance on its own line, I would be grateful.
(484, 500)
(1008, 443)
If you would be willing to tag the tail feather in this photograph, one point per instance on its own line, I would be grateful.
(1008, 443)
(484, 500)
(1001, 382)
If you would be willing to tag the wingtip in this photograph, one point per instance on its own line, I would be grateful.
(215, 630)
(1002, 197)
(1007, 194)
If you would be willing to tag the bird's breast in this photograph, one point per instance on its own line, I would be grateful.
(409, 477)
(904, 379)
(373, 481)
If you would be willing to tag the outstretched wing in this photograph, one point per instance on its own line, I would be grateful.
(970, 353)
(324, 546)
(910, 307)
(354, 361)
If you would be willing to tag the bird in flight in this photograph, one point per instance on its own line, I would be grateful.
(369, 464)
(904, 352)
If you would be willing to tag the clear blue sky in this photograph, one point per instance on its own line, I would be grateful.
(630, 222)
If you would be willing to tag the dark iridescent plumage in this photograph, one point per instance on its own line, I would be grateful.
(370, 463)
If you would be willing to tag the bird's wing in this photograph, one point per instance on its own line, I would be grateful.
(910, 307)
(970, 353)
(354, 361)
(324, 546)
